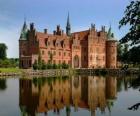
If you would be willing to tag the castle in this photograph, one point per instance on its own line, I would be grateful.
(85, 49)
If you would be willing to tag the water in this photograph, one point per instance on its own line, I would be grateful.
(70, 96)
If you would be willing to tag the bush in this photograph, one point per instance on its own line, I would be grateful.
(59, 66)
(35, 65)
(49, 66)
(65, 66)
(54, 66)
(44, 66)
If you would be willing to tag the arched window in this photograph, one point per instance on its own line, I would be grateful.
(76, 61)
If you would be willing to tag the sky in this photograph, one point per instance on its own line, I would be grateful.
(49, 13)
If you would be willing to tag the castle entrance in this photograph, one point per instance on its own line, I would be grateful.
(76, 61)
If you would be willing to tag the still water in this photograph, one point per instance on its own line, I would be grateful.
(70, 96)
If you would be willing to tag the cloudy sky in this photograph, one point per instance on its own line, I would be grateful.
(49, 13)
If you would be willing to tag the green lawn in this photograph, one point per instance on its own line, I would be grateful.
(14, 70)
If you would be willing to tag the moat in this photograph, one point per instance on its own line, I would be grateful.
(70, 96)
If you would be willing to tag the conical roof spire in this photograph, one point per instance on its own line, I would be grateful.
(68, 20)
(68, 26)
(110, 35)
(24, 31)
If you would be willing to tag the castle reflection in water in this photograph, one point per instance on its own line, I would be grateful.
(56, 93)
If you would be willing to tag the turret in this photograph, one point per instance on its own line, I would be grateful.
(23, 35)
(111, 50)
(68, 26)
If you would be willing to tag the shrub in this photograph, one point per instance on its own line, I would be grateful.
(35, 65)
(54, 66)
(65, 66)
(49, 66)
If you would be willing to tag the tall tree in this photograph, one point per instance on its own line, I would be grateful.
(119, 52)
(3, 49)
(132, 20)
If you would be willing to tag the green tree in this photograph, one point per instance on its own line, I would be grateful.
(119, 52)
(134, 55)
(35, 65)
(125, 55)
(65, 66)
(3, 49)
(132, 20)
(44, 66)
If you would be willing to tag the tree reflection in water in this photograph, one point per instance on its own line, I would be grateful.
(3, 85)
(136, 85)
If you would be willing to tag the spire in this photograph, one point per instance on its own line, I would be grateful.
(23, 35)
(68, 20)
(110, 35)
(68, 26)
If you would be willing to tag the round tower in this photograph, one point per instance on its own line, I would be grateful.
(111, 50)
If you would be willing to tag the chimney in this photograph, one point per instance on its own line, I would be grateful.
(54, 32)
(32, 26)
(45, 31)
(58, 28)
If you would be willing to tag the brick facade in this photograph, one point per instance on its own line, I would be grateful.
(85, 49)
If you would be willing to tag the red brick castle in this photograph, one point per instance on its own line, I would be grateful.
(85, 49)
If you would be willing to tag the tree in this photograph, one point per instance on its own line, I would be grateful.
(3, 49)
(134, 55)
(132, 19)
(125, 55)
(35, 65)
(119, 51)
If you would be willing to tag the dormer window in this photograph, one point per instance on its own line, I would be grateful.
(54, 42)
(46, 41)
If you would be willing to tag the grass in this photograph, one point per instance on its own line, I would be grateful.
(10, 70)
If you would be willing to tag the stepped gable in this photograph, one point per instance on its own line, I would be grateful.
(82, 34)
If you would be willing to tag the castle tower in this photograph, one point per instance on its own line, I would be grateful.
(68, 26)
(23, 35)
(111, 50)
(23, 45)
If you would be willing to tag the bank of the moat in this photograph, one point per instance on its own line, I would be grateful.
(63, 72)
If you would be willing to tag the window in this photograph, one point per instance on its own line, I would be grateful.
(103, 58)
(42, 52)
(91, 49)
(23, 52)
(69, 62)
(59, 53)
(54, 61)
(54, 53)
(48, 43)
(96, 57)
(59, 61)
(64, 53)
(48, 52)
(56, 44)
(85, 49)
(97, 49)
(91, 57)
